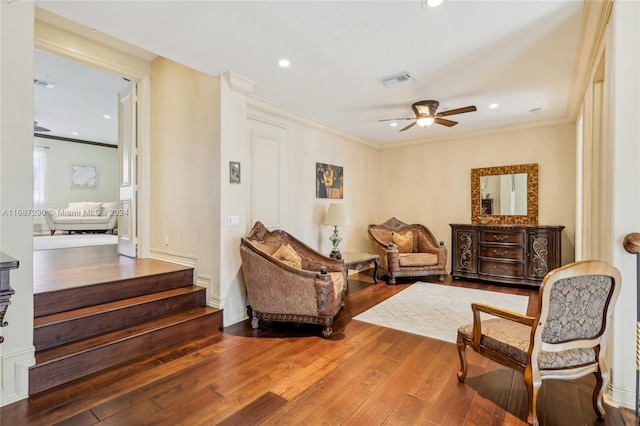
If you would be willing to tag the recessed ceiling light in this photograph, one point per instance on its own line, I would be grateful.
(492, 106)
(431, 3)
(74, 133)
(284, 63)
(107, 116)
(393, 124)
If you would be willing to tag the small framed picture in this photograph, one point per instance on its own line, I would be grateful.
(234, 172)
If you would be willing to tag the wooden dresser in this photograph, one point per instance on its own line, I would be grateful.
(506, 254)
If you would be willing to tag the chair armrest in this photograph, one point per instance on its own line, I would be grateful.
(497, 312)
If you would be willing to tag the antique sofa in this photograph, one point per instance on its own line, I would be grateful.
(407, 250)
(288, 281)
(83, 216)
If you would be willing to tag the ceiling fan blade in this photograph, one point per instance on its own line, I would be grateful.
(397, 119)
(445, 122)
(457, 111)
(408, 127)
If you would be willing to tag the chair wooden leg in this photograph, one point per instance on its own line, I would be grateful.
(462, 354)
(598, 390)
(254, 321)
(533, 386)
(327, 331)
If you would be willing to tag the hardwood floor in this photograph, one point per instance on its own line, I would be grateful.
(284, 374)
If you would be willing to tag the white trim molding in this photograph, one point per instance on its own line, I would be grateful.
(15, 375)
(238, 83)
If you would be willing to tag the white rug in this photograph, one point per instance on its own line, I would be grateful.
(435, 310)
(51, 242)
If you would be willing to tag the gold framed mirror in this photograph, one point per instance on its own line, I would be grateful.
(505, 194)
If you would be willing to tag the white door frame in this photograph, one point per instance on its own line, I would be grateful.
(144, 157)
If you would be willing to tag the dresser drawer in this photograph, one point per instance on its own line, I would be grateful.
(503, 269)
(502, 252)
(504, 237)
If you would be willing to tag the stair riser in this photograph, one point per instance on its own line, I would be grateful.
(48, 375)
(81, 297)
(49, 336)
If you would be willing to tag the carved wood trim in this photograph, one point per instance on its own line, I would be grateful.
(532, 194)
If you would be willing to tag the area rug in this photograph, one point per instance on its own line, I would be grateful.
(52, 242)
(435, 310)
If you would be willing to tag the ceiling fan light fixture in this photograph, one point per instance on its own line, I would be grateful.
(425, 121)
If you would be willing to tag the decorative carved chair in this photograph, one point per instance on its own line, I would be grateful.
(407, 250)
(288, 281)
(566, 339)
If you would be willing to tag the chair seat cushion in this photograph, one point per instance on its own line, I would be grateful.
(512, 339)
(417, 259)
(338, 283)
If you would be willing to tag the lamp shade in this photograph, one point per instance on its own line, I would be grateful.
(337, 215)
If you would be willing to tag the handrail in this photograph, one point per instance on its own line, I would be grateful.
(631, 243)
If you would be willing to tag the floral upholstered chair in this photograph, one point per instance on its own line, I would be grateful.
(407, 250)
(288, 281)
(566, 339)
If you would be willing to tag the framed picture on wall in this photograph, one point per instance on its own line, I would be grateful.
(329, 181)
(84, 175)
(234, 172)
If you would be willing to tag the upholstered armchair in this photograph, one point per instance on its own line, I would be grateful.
(565, 339)
(407, 250)
(288, 281)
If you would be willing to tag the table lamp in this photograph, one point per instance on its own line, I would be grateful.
(336, 216)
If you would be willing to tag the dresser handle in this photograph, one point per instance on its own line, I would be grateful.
(500, 253)
(500, 237)
(499, 268)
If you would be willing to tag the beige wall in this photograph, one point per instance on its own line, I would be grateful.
(430, 182)
(185, 163)
(359, 160)
(16, 192)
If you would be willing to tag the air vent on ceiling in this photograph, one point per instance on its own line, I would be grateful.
(396, 79)
(43, 83)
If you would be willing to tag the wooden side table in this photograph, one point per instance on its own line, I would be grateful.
(358, 261)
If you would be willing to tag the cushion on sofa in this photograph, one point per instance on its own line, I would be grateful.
(75, 206)
(404, 242)
(95, 219)
(91, 208)
(288, 255)
(417, 259)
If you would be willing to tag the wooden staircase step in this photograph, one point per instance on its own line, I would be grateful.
(56, 301)
(65, 363)
(70, 326)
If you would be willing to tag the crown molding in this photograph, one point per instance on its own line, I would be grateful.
(238, 83)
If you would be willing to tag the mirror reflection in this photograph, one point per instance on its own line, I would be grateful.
(504, 194)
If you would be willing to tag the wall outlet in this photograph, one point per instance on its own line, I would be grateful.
(233, 221)
(166, 240)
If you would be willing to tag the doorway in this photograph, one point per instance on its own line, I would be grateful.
(100, 77)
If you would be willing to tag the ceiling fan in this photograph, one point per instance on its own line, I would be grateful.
(39, 129)
(426, 114)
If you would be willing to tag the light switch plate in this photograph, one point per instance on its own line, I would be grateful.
(233, 221)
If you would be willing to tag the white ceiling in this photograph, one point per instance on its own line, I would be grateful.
(519, 54)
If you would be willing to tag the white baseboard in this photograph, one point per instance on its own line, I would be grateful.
(619, 397)
(15, 376)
